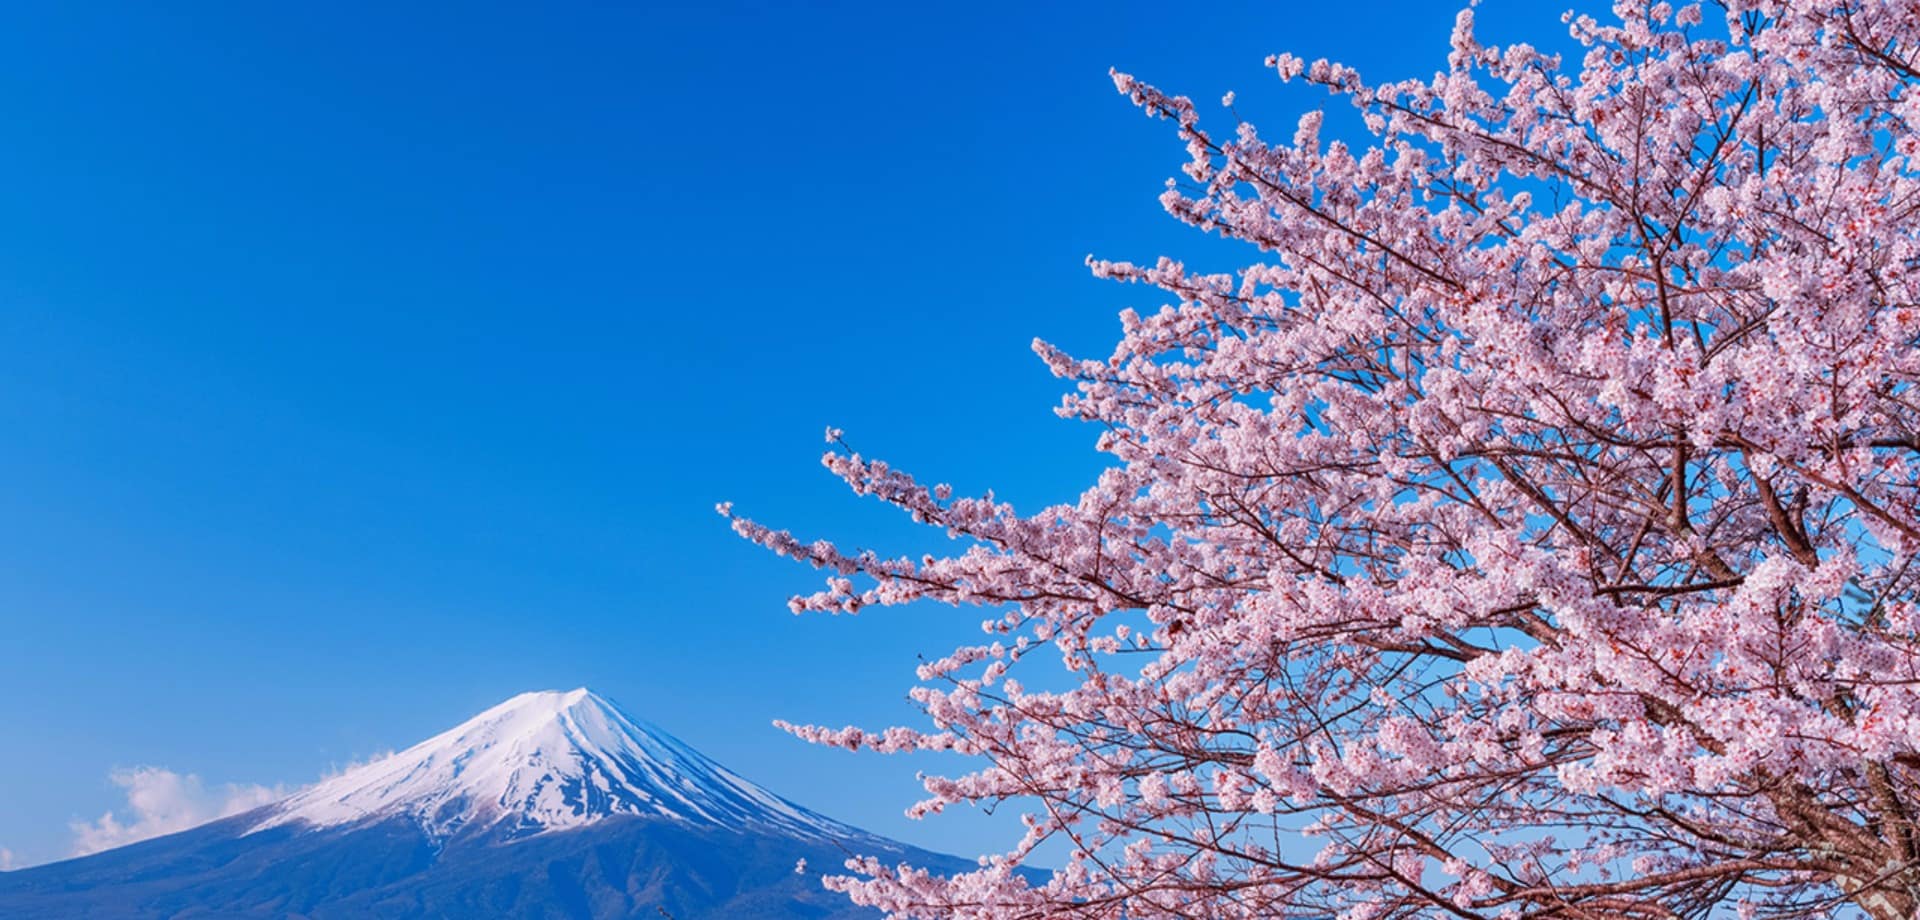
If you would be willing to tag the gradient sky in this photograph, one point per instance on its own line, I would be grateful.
(361, 367)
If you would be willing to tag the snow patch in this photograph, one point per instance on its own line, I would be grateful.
(542, 762)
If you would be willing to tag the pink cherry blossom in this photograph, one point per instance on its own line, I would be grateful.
(1527, 531)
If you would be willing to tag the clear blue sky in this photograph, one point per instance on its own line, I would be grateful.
(361, 367)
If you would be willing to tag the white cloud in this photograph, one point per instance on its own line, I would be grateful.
(6, 860)
(334, 770)
(160, 801)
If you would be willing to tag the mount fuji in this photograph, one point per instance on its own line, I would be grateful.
(549, 805)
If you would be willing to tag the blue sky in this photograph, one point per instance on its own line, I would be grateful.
(361, 367)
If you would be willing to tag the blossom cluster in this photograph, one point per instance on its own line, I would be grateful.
(1530, 531)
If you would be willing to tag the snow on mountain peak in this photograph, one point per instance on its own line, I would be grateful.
(544, 761)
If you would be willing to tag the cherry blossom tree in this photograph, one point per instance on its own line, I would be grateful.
(1529, 531)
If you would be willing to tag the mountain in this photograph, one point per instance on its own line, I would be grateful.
(549, 805)
(546, 762)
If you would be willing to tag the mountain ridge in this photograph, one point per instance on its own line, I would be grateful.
(550, 805)
(544, 761)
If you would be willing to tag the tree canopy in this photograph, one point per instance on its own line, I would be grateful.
(1528, 530)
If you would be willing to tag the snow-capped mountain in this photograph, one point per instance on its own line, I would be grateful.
(547, 761)
(551, 804)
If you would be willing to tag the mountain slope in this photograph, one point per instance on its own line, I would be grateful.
(547, 761)
(550, 805)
